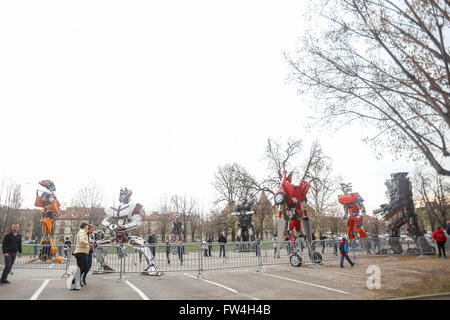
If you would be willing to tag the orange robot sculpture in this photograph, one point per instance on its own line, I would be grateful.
(50, 209)
(354, 211)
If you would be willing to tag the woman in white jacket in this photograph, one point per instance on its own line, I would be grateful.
(81, 252)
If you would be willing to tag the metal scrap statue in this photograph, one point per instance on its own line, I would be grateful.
(400, 211)
(293, 199)
(120, 221)
(354, 211)
(50, 208)
(244, 210)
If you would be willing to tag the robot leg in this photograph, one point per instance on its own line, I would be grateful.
(73, 281)
(251, 235)
(99, 256)
(394, 233)
(151, 269)
(238, 236)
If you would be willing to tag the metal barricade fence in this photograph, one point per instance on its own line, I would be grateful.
(167, 258)
(36, 257)
(278, 252)
(216, 256)
(202, 257)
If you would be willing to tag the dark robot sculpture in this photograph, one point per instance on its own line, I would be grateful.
(400, 211)
(244, 210)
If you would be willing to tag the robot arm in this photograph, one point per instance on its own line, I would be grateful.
(106, 221)
(135, 221)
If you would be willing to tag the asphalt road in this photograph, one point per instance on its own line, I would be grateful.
(278, 282)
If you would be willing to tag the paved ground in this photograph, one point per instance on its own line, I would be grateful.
(277, 282)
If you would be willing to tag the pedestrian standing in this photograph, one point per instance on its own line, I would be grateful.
(91, 239)
(343, 248)
(289, 246)
(168, 251)
(81, 252)
(153, 240)
(180, 251)
(376, 244)
(440, 238)
(322, 239)
(210, 240)
(12, 243)
(61, 246)
(222, 241)
(334, 244)
(67, 246)
(448, 228)
(276, 251)
(257, 248)
(313, 238)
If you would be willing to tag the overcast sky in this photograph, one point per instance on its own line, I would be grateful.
(155, 95)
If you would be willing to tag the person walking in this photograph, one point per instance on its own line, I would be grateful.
(440, 238)
(180, 250)
(67, 246)
(210, 240)
(222, 241)
(81, 252)
(153, 240)
(343, 248)
(12, 243)
(168, 251)
(91, 239)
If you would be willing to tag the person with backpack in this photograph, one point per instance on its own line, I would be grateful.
(343, 248)
(440, 238)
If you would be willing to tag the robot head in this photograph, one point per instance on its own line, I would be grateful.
(49, 185)
(125, 195)
(287, 191)
(359, 199)
(346, 188)
(397, 175)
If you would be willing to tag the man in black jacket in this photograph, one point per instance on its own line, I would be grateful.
(222, 241)
(152, 240)
(12, 242)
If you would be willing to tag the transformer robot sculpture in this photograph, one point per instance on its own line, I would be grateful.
(244, 210)
(400, 211)
(50, 208)
(177, 229)
(177, 232)
(293, 199)
(120, 221)
(354, 211)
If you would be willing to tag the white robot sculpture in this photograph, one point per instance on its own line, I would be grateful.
(120, 221)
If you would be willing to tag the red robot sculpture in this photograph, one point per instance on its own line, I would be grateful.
(292, 198)
(354, 211)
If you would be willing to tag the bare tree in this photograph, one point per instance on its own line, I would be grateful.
(88, 202)
(322, 194)
(432, 193)
(165, 217)
(11, 199)
(384, 63)
(185, 207)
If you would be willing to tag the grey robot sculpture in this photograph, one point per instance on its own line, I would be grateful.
(400, 211)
